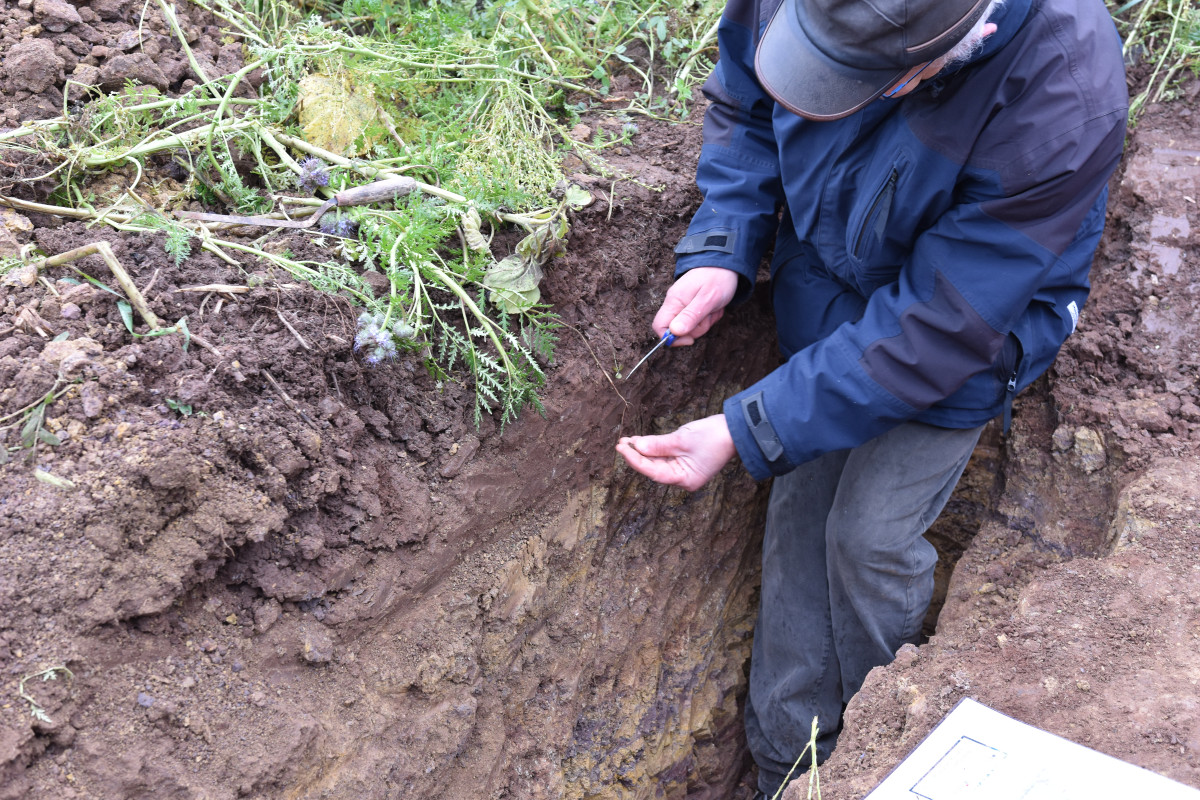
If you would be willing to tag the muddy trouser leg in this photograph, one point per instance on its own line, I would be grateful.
(847, 578)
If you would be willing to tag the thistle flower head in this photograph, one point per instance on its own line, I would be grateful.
(377, 342)
(313, 174)
(337, 224)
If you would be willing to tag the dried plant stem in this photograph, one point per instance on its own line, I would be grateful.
(173, 21)
(219, 288)
(35, 708)
(104, 250)
(361, 167)
(207, 345)
(295, 332)
(61, 211)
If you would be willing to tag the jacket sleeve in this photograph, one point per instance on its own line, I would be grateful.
(738, 171)
(971, 278)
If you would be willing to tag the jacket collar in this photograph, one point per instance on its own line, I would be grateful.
(1009, 19)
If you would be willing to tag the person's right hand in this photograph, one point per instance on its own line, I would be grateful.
(695, 302)
(687, 457)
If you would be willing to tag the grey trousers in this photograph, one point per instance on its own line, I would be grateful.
(847, 578)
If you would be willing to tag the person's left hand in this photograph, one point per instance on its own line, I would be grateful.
(687, 457)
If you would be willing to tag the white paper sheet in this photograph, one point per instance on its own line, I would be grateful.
(976, 753)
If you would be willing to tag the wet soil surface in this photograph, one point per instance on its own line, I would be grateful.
(277, 571)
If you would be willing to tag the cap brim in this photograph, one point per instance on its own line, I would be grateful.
(806, 81)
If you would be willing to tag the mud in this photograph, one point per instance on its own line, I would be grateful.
(280, 572)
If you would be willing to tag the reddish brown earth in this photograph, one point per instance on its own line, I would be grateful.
(329, 583)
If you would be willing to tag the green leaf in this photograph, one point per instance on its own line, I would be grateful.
(32, 425)
(1126, 7)
(513, 284)
(339, 115)
(62, 337)
(182, 327)
(53, 480)
(577, 197)
(178, 244)
(98, 284)
(49, 438)
(126, 314)
(175, 405)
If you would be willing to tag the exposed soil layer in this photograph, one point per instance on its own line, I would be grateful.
(280, 572)
(325, 579)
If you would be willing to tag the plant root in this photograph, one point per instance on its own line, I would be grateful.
(288, 401)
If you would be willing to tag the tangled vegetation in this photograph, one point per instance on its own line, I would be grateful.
(474, 101)
(1165, 34)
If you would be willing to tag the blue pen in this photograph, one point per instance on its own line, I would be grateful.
(668, 339)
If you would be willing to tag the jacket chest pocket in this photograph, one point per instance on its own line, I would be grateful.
(875, 258)
(874, 222)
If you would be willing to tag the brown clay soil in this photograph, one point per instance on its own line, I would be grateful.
(326, 581)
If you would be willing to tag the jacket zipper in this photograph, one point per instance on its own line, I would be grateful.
(1009, 394)
(885, 192)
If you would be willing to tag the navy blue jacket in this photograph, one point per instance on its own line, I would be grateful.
(931, 252)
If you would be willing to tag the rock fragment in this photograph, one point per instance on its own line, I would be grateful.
(109, 9)
(907, 655)
(128, 40)
(136, 67)
(265, 615)
(1089, 447)
(14, 229)
(33, 65)
(78, 294)
(86, 76)
(316, 646)
(1150, 413)
(55, 15)
(22, 276)
(9, 246)
(79, 351)
(458, 459)
(93, 400)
